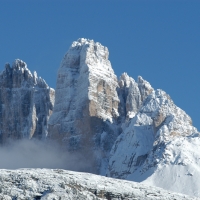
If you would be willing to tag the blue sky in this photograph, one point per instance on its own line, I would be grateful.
(157, 39)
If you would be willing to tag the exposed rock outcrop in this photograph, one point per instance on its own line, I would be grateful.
(26, 102)
(132, 94)
(86, 101)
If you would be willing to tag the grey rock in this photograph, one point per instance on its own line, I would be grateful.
(132, 94)
(86, 101)
(26, 102)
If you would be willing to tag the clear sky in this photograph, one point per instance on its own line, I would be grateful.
(157, 39)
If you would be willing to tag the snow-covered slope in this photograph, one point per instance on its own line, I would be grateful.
(26, 102)
(46, 184)
(159, 146)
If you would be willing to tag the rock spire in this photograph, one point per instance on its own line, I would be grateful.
(26, 102)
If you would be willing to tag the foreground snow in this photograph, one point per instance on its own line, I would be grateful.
(61, 184)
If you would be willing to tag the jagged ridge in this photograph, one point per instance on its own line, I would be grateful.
(26, 102)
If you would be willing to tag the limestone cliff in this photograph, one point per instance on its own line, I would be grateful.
(26, 102)
(86, 100)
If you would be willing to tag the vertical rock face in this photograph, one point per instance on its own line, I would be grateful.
(26, 102)
(86, 102)
(132, 94)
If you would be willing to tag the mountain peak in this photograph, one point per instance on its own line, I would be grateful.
(17, 64)
(26, 103)
(85, 52)
(86, 104)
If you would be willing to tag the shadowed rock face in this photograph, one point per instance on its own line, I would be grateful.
(26, 102)
(131, 95)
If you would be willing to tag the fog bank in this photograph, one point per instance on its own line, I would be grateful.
(39, 154)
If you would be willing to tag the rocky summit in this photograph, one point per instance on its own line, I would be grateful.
(86, 103)
(123, 128)
(91, 104)
(26, 102)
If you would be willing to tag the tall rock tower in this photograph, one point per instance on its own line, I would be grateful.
(26, 102)
(86, 102)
